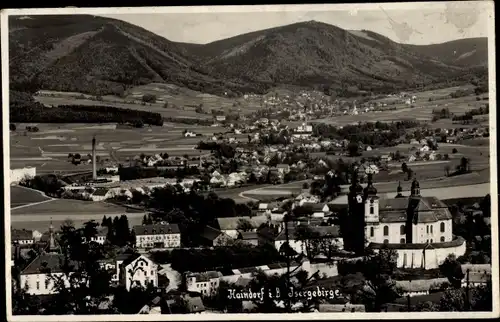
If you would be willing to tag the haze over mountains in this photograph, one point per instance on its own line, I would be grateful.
(97, 55)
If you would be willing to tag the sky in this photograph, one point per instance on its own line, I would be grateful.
(409, 23)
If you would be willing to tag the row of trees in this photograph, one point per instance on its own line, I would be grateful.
(374, 134)
(238, 255)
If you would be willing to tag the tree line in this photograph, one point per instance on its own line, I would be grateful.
(24, 109)
(370, 133)
(235, 256)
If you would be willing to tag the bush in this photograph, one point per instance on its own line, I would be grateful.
(149, 98)
(454, 151)
(12, 127)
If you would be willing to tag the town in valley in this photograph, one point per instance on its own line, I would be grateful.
(303, 168)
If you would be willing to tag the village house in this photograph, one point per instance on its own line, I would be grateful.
(249, 237)
(220, 118)
(205, 283)
(331, 233)
(41, 276)
(230, 225)
(101, 194)
(316, 210)
(213, 237)
(138, 271)
(283, 168)
(21, 237)
(158, 236)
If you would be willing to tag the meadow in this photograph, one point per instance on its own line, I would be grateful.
(48, 148)
(20, 196)
(171, 101)
(422, 110)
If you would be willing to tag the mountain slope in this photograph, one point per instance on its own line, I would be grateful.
(313, 53)
(99, 56)
(462, 52)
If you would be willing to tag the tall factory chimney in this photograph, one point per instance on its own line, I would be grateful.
(94, 165)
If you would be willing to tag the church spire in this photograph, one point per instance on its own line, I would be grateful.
(400, 191)
(370, 190)
(415, 188)
(52, 247)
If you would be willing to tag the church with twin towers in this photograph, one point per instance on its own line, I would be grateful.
(418, 228)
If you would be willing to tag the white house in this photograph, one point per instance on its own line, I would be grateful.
(303, 131)
(101, 194)
(230, 225)
(157, 236)
(138, 270)
(205, 283)
(42, 274)
(21, 236)
(100, 237)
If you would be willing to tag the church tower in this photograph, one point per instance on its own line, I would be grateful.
(356, 215)
(400, 191)
(52, 247)
(412, 211)
(371, 201)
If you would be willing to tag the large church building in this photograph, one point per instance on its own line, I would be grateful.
(418, 228)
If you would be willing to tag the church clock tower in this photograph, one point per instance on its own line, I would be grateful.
(356, 215)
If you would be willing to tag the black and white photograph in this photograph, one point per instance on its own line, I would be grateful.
(233, 162)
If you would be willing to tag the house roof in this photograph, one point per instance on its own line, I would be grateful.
(47, 262)
(245, 235)
(231, 223)
(100, 191)
(419, 285)
(21, 234)
(131, 258)
(429, 209)
(210, 233)
(195, 304)
(314, 207)
(156, 229)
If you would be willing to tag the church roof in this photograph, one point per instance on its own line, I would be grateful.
(48, 262)
(429, 209)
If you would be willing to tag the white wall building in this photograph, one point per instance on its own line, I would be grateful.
(431, 228)
(138, 271)
(157, 236)
(16, 175)
(206, 283)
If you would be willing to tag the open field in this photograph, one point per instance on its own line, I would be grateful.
(48, 149)
(181, 102)
(452, 192)
(42, 222)
(30, 209)
(20, 196)
(421, 112)
(479, 183)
